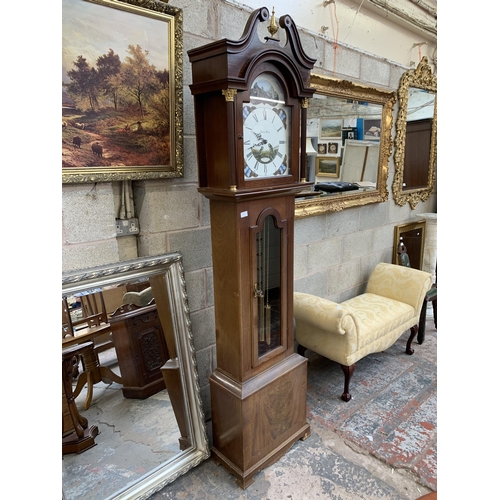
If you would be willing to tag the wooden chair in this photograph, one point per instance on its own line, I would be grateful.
(67, 325)
(92, 324)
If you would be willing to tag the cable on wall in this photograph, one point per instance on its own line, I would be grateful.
(354, 18)
(126, 222)
(128, 200)
(418, 45)
(121, 214)
(419, 49)
(92, 192)
(335, 28)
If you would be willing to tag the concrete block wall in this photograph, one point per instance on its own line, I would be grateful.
(334, 252)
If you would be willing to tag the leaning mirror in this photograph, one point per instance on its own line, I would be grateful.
(132, 413)
(412, 236)
(348, 146)
(416, 136)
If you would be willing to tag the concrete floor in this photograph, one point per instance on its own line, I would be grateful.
(135, 436)
(380, 445)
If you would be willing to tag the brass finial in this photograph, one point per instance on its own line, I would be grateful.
(273, 27)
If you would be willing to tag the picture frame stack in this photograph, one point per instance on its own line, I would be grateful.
(328, 159)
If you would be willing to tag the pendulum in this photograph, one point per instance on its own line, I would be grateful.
(266, 284)
(259, 293)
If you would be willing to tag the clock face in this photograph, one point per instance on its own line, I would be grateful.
(266, 129)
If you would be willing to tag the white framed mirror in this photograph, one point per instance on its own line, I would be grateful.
(177, 433)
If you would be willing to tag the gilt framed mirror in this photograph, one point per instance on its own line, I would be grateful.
(144, 390)
(352, 124)
(412, 235)
(415, 145)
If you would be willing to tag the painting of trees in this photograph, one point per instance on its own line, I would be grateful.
(108, 69)
(116, 101)
(84, 84)
(135, 81)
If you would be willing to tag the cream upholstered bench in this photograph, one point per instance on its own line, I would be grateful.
(368, 323)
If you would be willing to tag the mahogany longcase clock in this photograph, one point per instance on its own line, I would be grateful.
(251, 99)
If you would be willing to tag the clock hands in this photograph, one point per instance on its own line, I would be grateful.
(269, 133)
(259, 137)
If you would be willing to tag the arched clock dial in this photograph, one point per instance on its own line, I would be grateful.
(266, 130)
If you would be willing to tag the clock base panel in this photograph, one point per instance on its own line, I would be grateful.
(257, 421)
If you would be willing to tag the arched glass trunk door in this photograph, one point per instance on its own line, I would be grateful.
(269, 289)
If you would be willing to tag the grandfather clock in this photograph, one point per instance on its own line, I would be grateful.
(251, 101)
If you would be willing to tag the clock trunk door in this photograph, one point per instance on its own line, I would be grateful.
(268, 240)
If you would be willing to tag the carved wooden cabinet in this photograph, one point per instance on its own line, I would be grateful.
(141, 349)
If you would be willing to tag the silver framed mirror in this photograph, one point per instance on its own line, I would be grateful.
(349, 128)
(100, 472)
(415, 142)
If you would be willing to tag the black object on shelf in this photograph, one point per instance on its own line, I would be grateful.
(335, 187)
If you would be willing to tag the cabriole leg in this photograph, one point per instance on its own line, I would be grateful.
(348, 371)
(414, 330)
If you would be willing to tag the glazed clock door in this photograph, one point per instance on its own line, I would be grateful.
(266, 130)
(269, 288)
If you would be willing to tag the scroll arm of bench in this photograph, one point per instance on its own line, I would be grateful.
(324, 314)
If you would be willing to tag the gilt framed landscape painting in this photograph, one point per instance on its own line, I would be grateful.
(122, 103)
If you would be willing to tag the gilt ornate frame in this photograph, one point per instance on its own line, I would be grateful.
(421, 77)
(400, 231)
(320, 170)
(116, 170)
(345, 89)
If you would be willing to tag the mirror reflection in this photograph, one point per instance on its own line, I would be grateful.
(348, 146)
(419, 120)
(132, 417)
(344, 133)
(416, 136)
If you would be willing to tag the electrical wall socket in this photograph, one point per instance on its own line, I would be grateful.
(126, 227)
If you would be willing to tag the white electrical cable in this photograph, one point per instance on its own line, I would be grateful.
(353, 19)
(127, 200)
(131, 199)
(122, 206)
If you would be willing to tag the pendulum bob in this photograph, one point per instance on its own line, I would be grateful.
(268, 323)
